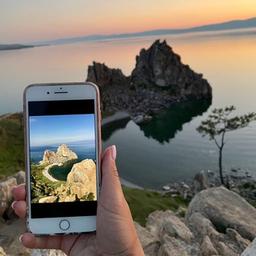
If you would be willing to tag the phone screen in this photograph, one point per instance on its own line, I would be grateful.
(62, 156)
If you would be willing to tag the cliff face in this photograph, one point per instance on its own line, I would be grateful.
(82, 179)
(62, 155)
(158, 80)
(160, 66)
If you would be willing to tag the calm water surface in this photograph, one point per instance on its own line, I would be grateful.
(168, 148)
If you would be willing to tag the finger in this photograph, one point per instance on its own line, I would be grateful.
(19, 208)
(19, 192)
(111, 194)
(48, 242)
(110, 176)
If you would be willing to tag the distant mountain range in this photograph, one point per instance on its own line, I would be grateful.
(230, 25)
(224, 26)
(5, 47)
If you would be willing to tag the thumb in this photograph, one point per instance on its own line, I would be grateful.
(111, 193)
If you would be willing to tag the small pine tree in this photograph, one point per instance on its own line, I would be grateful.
(218, 123)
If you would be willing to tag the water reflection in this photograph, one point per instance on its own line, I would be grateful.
(110, 128)
(164, 126)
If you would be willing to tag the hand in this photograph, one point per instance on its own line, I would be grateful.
(116, 234)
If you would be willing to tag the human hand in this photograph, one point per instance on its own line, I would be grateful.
(116, 234)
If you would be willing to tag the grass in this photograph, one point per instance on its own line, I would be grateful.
(143, 202)
(11, 145)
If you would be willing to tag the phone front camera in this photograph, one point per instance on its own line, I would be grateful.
(48, 92)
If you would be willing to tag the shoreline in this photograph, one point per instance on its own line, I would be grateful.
(117, 116)
(46, 173)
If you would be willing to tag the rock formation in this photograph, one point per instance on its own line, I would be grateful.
(160, 66)
(225, 209)
(142, 94)
(62, 155)
(82, 179)
(80, 184)
(105, 76)
(6, 187)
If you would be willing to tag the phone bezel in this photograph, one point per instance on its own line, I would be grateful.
(75, 91)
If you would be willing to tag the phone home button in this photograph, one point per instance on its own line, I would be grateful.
(64, 225)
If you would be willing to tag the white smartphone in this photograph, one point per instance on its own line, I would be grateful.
(63, 147)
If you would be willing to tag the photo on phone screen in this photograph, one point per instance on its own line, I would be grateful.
(62, 157)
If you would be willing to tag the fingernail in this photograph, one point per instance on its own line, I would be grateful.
(13, 204)
(113, 152)
(20, 238)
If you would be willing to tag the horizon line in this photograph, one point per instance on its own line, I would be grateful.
(123, 34)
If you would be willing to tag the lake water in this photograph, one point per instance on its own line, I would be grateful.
(168, 148)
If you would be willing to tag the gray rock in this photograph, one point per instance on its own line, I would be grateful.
(6, 194)
(166, 222)
(20, 177)
(138, 119)
(240, 241)
(201, 226)
(172, 247)
(149, 242)
(225, 209)
(207, 248)
(224, 250)
(200, 182)
(250, 250)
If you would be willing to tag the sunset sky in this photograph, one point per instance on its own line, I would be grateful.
(30, 20)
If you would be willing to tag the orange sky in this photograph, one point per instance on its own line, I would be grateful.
(29, 20)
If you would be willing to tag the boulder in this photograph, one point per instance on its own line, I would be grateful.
(225, 209)
(201, 227)
(207, 248)
(171, 246)
(235, 236)
(200, 182)
(149, 242)
(20, 177)
(6, 198)
(165, 222)
(250, 250)
(225, 250)
(81, 180)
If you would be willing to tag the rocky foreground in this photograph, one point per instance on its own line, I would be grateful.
(217, 222)
(158, 81)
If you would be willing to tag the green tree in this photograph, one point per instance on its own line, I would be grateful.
(218, 123)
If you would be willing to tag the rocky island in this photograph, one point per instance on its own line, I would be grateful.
(80, 183)
(158, 81)
(62, 155)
